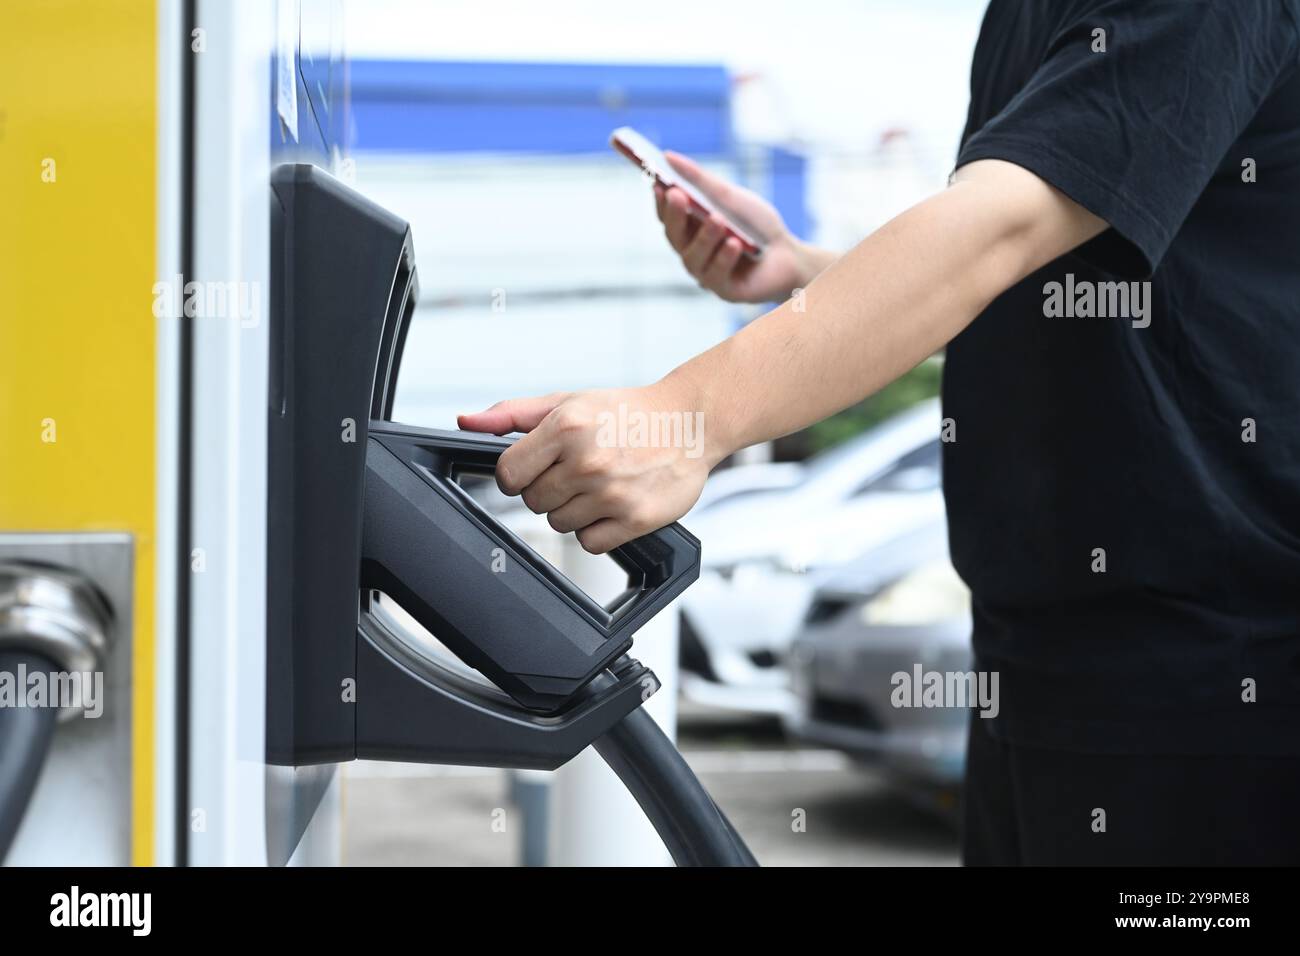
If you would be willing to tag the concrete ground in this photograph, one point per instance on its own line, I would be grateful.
(399, 815)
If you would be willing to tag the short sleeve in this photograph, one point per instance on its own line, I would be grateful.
(1135, 105)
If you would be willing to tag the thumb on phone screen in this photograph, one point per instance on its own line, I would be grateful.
(716, 188)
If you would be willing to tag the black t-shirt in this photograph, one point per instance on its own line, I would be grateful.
(1124, 487)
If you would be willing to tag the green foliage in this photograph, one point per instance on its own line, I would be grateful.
(916, 386)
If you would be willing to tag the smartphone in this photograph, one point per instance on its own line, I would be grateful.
(649, 157)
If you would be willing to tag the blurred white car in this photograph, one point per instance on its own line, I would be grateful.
(731, 484)
(764, 552)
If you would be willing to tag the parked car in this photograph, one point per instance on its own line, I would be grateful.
(764, 553)
(731, 484)
(898, 610)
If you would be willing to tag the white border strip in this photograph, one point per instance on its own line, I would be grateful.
(170, 130)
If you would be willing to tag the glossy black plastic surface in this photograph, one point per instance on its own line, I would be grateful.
(357, 504)
(486, 594)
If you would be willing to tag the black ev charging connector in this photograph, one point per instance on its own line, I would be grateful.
(360, 507)
(502, 608)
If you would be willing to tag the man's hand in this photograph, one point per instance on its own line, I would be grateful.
(713, 256)
(610, 465)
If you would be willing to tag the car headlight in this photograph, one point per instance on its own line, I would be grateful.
(928, 595)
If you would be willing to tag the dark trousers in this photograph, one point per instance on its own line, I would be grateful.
(1028, 806)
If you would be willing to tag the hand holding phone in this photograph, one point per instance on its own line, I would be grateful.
(731, 240)
(652, 161)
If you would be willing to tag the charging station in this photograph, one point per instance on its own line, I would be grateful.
(361, 507)
(232, 575)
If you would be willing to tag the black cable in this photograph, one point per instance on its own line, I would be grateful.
(693, 828)
(25, 734)
(747, 857)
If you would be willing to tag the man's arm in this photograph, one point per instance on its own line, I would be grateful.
(897, 297)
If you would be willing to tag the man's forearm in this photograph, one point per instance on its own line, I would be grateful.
(893, 300)
(813, 261)
(869, 317)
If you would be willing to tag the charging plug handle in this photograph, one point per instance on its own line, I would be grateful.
(480, 589)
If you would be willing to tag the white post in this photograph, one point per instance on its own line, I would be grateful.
(594, 820)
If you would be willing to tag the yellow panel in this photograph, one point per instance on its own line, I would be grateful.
(77, 225)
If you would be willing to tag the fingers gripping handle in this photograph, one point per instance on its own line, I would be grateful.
(482, 591)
